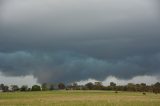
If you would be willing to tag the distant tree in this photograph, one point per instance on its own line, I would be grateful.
(1, 87)
(120, 88)
(44, 87)
(14, 87)
(24, 88)
(112, 84)
(98, 86)
(138, 88)
(143, 87)
(61, 86)
(6, 88)
(156, 88)
(131, 87)
(51, 87)
(98, 83)
(36, 88)
(69, 87)
(89, 86)
(74, 86)
(29, 89)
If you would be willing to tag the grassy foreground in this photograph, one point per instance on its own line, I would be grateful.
(78, 98)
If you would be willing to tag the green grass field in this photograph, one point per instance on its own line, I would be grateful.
(78, 98)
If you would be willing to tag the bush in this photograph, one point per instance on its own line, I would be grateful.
(144, 93)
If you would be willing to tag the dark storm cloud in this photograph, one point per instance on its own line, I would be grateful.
(68, 67)
(102, 37)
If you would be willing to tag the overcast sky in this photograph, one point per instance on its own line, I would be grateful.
(74, 40)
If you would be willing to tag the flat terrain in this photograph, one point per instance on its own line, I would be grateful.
(78, 98)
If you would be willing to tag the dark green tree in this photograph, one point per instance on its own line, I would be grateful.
(6, 88)
(156, 88)
(2, 87)
(24, 88)
(98, 86)
(131, 87)
(14, 87)
(36, 88)
(113, 85)
(89, 86)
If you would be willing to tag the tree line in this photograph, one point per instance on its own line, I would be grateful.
(155, 88)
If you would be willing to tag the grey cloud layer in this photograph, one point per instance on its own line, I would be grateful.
(114, 37)
(68, 67)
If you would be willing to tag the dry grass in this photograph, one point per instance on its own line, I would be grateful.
(78, 98)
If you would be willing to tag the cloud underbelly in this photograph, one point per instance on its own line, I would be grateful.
(68, 66)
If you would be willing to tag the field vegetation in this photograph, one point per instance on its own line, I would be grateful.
(78, 98)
